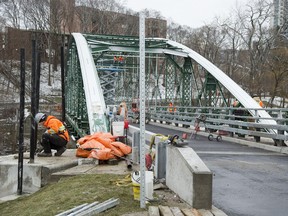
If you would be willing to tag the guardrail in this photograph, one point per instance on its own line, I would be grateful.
(226, 119)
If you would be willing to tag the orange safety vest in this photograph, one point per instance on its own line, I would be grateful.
(53, 125)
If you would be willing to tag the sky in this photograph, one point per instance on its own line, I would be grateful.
(193, 13)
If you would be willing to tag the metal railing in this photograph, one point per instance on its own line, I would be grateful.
(227, 119)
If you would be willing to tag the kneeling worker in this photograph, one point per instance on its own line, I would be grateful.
(55, 137)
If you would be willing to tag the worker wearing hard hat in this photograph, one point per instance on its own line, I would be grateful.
(55, 137)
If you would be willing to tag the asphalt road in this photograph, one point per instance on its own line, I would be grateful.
(246, 181)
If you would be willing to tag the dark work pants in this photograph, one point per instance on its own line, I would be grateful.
(52, 141)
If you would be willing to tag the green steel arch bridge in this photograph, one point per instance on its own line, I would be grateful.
(103, 70)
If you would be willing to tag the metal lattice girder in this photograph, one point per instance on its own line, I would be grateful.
(108, 79)
(187, 83)
(211, 91)
(208, 90)
(169, 81)
(76, 111)
(105, 47)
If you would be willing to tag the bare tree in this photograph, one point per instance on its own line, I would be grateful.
(12, 11)
(257, 40)
(179, 33)
(277, 76)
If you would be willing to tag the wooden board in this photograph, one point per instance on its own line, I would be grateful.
(153, 211)
(187, 212)
(165, 211)
(176, 211)
(205, 212)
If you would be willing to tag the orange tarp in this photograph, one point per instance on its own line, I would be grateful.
(101, 146)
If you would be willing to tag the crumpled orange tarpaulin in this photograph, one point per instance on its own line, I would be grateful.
(101, 146)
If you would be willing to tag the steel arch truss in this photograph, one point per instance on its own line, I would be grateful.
(173, 73)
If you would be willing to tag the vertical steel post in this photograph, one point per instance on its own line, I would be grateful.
(142, 107)
(63, 83)
(33, 106)
(21, 123)
(37, 87)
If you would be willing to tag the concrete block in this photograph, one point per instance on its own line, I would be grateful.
(194, 174)
(9, 179)
(178, 174)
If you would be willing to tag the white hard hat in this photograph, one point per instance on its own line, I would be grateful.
(39, 117)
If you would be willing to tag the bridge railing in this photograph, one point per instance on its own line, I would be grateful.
(234, 121)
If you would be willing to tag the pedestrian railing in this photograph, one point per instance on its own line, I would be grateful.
(226, 119)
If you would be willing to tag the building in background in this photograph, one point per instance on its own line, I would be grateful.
(66, 18)
(280, 15)
(69, 17)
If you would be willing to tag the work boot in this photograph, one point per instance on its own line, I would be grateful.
(44, 154)
(60, 152)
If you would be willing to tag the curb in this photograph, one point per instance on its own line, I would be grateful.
(48, 170)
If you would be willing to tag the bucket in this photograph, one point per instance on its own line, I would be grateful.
(148, 185)
(118, 128)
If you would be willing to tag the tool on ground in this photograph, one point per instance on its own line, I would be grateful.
(176, 141)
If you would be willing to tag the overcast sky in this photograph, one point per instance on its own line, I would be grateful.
(194, 13)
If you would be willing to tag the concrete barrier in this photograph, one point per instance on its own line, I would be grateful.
(9, 179)
(189, 177)
(35, 175)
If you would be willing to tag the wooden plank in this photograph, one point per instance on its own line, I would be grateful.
(205, 212)
(153, 211)
(176, 211)
(165, 211)
(187, 212)
(196, 212)
(218, 212)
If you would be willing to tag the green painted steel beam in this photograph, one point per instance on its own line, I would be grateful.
(169, 71)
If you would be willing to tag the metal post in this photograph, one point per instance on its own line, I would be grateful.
(21, 122)
(37, 93)
(280, 132)
(63, 83)
(33, 106)
(142, 107)
(37, 84)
